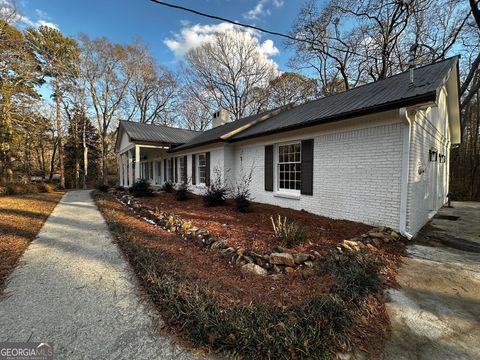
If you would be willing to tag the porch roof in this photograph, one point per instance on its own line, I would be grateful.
(148, 133)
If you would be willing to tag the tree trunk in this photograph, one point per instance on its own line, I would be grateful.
(52, 161)
(104, 157)
(85, 154)
(59, 136)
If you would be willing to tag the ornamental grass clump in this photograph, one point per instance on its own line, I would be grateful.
(288, 232)
(357, 274)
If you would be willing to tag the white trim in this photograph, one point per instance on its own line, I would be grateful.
(288, 194)
(406, 135)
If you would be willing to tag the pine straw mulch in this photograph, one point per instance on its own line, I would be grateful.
(212, 271)
(253, 230)
(21, 218)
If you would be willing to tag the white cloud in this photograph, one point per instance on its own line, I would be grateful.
(268, 48)
(259, 10)
(47, 23)
(191, 37)
(8, 7)
(262, 9)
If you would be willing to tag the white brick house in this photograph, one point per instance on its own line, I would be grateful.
(376, 154)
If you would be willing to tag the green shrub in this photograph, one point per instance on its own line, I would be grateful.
(288, 232)
(357, 274)
(181, 193)
(46, 187)
(103, 187)
(216, 192)
(167, 187)
(141, 188)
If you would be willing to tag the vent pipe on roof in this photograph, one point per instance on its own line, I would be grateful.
(220, 118)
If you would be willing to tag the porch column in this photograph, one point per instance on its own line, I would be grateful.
(154, 164)
(130, 168)
(125, 173)
(137, 162)
(120, 168)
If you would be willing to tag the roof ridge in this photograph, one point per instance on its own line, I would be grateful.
(380, 80)
(158, 125)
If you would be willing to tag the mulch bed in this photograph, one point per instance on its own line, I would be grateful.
(211, 271)
(253, 230)
(21, 218)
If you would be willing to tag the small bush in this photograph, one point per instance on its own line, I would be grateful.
(216, 192)
(141, 188)
(167, 187)
(21, 189)
(241, 193)
(103, 187)
(119, 188)
(46, 187)
(181, 193)
(357, 274)
(288, 232)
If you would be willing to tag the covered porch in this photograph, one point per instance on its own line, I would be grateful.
(143, 162)
(142, 151)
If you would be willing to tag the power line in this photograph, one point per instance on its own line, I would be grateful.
(196, 12)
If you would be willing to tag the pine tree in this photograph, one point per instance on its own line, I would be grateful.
(75, 176)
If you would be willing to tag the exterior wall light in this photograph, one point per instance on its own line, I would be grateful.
(432, 155)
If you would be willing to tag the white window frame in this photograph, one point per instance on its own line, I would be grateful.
(280, 190)
(200, 182)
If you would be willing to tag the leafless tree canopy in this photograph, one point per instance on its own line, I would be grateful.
(225, 71)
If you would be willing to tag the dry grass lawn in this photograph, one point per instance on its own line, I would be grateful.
(21, 218)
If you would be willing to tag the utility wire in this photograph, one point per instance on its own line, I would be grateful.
(178, 7)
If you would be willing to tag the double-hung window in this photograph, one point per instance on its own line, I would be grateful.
(289, 167)
(202, 163)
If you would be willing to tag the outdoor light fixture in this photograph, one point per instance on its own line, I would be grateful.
(432, 155)
(442, 158)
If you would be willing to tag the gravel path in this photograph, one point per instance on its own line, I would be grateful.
(74, 289)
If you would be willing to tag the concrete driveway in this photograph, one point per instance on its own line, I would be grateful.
(73, 288)
(436, 312)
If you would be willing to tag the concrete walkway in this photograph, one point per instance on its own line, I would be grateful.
(436, 312)
(74, 289)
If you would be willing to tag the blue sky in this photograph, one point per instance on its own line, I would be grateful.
(168, 32)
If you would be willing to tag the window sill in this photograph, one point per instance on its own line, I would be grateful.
(287, 195)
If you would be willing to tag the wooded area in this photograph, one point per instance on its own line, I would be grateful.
(93, 83)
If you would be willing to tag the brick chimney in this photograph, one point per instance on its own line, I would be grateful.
(220, 117)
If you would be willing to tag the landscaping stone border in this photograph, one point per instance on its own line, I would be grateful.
(279, 261)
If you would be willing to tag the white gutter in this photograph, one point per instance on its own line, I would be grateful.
(406, 135)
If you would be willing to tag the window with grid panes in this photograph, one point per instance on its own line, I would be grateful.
(289, 167)
(202, 162)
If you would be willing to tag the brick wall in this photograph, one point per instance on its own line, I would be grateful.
(357, 174)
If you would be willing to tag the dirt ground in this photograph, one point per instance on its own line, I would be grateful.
(253, 230)
(21, 218)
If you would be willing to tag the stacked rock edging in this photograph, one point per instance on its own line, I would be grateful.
(279, 261)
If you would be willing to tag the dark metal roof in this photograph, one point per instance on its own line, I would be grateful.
(156, 133)
(390, 93)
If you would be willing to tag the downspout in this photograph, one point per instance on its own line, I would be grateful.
(406, 136)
